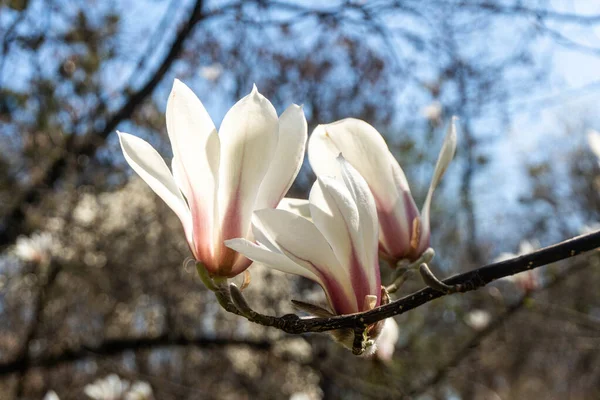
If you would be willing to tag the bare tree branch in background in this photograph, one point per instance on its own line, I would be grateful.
(11, 225)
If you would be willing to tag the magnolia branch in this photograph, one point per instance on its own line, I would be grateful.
(232, 300)
(471, 280)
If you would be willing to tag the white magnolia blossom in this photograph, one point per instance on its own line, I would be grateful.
(386, 342)
(403, 232)
(218, 180)
(36, 248)
(526, 280)
(114, 388)
(337, 248)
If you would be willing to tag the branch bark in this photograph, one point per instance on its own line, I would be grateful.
(471, 280)
(468, 281)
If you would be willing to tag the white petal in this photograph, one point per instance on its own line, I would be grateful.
(301, 241)
(299, 207)
(336, 215)
(248, 141)
(445, 157)
(196, 151)
(368, 229)
(363, 147)
(151, 167)
(272, 259)
(287, 160)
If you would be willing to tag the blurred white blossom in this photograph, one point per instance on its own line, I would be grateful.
(51, 395)
(433, 112)
(114, 388)
(211, 72)
(36, 248)
(139, 391)
(478, 319)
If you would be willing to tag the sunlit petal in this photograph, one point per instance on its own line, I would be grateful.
(368, 230)
(299, 207)
(151, 167)
(248, 141)
(287, 160)
(301, 241)
(273, 259)
(196, 151)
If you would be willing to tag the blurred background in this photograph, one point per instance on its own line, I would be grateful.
(92, 274)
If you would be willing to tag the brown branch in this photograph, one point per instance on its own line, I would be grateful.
(117, 346)
(468, 281)
(13, 221)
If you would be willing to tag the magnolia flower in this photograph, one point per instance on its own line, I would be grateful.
(403, 232)
(217, 180)
(337, 248)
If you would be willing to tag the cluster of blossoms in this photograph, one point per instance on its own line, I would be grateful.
(113, 388)
(228, 188)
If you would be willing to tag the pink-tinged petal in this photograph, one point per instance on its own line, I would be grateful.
(272, 259)
(367, 239)
(151, 167)
(445, 157)
(396, 220)
(301, 241)
(196, 150)
(299, 207)
(249, 135)
(336, 215)
(287, 160)
(365, 149)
